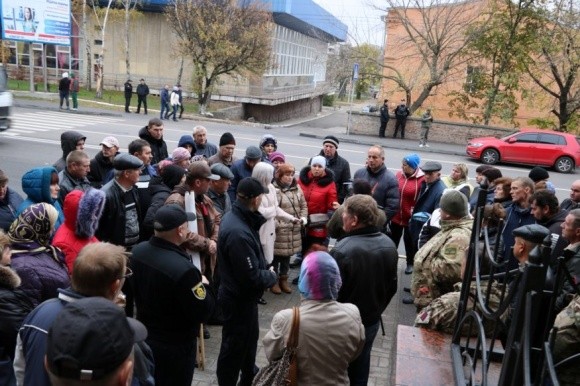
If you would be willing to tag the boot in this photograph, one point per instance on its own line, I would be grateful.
(283, 281)
(275, 289)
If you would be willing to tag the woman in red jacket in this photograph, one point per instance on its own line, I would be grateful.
(317, 184)
(410, 178)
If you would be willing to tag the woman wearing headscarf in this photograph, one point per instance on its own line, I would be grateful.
(41, 185)
(288, 235)
(331, 334)
(40, 265)
(271, 211)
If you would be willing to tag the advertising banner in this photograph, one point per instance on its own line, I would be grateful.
(40, 21)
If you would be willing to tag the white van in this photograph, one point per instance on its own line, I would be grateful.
(5, 100)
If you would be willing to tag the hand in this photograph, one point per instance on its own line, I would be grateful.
(335, 205)
(212, 247)
(204, 280)
(271, 269)
(304, 221)
(296, 220)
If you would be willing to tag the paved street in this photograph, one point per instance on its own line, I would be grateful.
(34, 141)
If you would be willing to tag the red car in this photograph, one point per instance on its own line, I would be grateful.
(529, 147)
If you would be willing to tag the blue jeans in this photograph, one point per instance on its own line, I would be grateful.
(358, 371)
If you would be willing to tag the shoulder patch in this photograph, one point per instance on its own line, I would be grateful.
(199, 291)
(450, 250)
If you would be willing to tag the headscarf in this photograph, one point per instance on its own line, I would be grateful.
(34, 224)
(319, 277)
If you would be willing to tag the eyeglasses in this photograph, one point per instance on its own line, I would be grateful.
(128, 272)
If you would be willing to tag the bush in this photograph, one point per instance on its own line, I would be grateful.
(328, 100)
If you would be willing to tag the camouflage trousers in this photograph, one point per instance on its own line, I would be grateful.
(567, 342)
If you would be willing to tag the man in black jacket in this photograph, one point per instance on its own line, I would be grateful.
(339, 166)
(367, 260)
(74, 175)
(244, 277)
(384, 111)
(153, 133)
(401, 114)
(172, 297)
(128, 94)
(142, 92)
(102, 164)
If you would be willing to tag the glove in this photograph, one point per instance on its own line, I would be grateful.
(304, 221)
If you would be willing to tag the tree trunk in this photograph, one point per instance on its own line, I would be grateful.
(127, 57)
(180, 71)
(89, 60)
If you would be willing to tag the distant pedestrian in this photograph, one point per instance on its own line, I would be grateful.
(164, 94)
(174, 101)
(384, 111)
(74, 89)
(64, 89)
(426, 122)
(179, 92)
(128, 94)
(142, 92)
(401, 114)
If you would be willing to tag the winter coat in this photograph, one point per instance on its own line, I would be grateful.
(100, 168)
(9, 208)
(401, 112)
(288, 235)
(159, 193)
(14, 306)
(409, 188)
(437, 265)
(142, 89)
(367, 260)
(112, 223)
(241, 264)
(341, 169)
(217, 159)
(82, 212)
(568, 204)
(516, 216)
(68, 143)
(207, 150)
(164, 93)
(186, 140)
(427, 202)
(330, 337)
(272, 212)
(36, 185)
(68, 183)
(128, 89)
(221, 202)
(174, 99)
(320, 194)
(241, 170)
(64, 84)
(385, 188)
(158, 146)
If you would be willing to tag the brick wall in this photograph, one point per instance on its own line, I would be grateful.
(441, 131)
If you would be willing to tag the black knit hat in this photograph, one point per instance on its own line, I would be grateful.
(538, 174)
(227, 139)
(332, 140)
(492, 174)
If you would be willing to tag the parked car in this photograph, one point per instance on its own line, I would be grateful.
(529, 147)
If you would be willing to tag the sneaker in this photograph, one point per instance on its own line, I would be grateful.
(409, 269)
(426, 145)
(421, 145)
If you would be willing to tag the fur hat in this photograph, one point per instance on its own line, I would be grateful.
(269, 139)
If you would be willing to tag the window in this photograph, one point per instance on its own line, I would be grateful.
(527, 138)
(552, 139)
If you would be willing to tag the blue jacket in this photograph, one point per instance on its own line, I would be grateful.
(385, 188)
(9, 208)
(427, 202)
(241, 170)
(516, 217)
(36, 185)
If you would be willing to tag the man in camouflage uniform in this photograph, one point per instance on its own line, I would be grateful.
(567, 342)
(437, 265)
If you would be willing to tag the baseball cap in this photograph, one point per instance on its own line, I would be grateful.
(171, 216)
(90, 338)
(250, 187)
(110, 142)
(200, 169)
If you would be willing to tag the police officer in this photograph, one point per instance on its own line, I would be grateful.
(244, 277)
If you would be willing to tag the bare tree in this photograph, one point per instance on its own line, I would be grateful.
(101, 16)
(128, 12)
(221, 37)
(432, 44)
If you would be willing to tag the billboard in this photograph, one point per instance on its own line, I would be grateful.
(40, 21)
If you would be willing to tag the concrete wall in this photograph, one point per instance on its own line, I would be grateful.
(441, 131)
(234, 113)
(300, 108)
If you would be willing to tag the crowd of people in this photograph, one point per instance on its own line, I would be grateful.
(197, 235)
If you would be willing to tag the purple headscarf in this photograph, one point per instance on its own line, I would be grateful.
(319, 277)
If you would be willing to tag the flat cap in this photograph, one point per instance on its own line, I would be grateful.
(200, 169)
(222, 170)
(534, 233)
(253, 153)
(125, 161)
(431, 166)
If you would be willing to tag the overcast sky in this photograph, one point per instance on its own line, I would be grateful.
(363, 20)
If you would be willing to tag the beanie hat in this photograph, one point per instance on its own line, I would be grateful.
(332, 140)
(454, 203)
(492, 174)
(227, 139)
(180, 154)
(319, 277)
(318, 160)
(268, 139)
(538, 174)
(413, 160)
(277, 156)
(172, 175)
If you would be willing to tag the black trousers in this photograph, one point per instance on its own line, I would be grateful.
(240, 335)
(142, 99)
(127, 104)
(382, 129)
(174, 362)
(410, 248)
(400, 124)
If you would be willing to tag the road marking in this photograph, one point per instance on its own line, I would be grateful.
(41, 121)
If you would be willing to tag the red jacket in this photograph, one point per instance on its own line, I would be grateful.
(320, 194)
(409, 188)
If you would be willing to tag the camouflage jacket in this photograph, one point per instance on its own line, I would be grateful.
(567, 342)
(437, 265)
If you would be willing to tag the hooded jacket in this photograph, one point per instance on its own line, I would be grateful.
(68, 143)
(186, 140)
(319, 193)
(158, 146)
(9, 208)
(385, 188)
(82, 211)
(36, 185)
(409, 188)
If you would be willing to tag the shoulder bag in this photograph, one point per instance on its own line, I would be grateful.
(283, 371)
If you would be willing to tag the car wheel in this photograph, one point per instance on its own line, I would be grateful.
(564, 165)
(490, 157)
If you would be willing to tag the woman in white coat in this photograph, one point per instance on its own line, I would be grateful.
(264, 172)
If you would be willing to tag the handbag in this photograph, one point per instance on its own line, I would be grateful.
(283, 371)
(318, 220)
